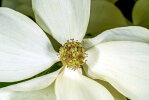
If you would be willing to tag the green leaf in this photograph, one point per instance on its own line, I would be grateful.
(104, 16)
(140, 14)
(113, 1)
(23, 6)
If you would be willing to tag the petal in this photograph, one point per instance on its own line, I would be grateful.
(43, 82)
(140, 13)
(101, 19)
(131, 33)
(124, 64)
(64, 19)
(71, 85)
(24, 48)
(113, 91)
(44, 94)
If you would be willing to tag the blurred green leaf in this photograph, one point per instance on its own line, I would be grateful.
(23, 6)
(140, 13)
(113, 1)
(104, 16)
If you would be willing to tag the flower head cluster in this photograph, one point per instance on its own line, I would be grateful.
(72, 54)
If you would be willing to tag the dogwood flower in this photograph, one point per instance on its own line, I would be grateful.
(119, 56)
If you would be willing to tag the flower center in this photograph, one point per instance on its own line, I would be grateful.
(72, 54)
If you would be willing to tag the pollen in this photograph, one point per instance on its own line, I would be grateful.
(72, 54)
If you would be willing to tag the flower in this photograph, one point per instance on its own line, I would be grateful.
(118, 56)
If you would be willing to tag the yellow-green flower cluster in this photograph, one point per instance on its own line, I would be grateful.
(72, 54)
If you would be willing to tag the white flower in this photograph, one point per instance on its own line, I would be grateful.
(119, 56)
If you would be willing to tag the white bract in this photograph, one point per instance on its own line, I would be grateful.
(119, 56)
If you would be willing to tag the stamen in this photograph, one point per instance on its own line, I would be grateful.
(72, 54)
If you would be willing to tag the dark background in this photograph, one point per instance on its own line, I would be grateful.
(126, 7)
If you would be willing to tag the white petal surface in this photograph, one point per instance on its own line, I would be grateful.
(124, 64)
(66, 19)
(72, 85)
(131, 33)
(24, 48)
(101, 19)
(44, 94)
(33, 84)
